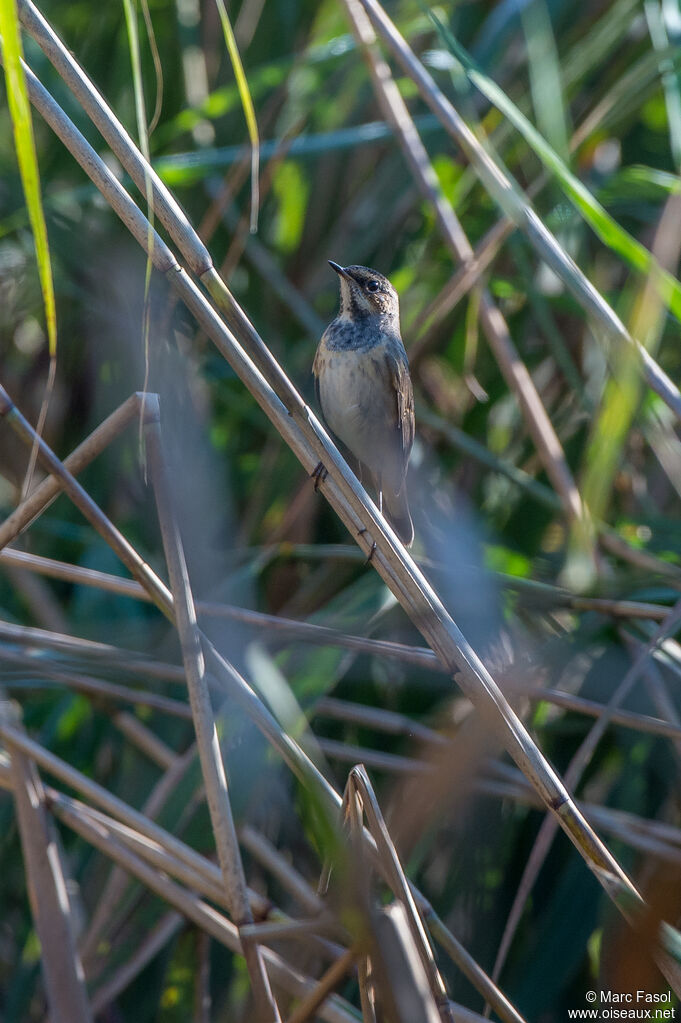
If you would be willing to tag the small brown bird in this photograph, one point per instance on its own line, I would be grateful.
(364, 388)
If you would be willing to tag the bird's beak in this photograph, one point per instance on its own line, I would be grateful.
(340, 270)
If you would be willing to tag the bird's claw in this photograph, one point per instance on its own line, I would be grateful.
(361, 532)
(319, 474)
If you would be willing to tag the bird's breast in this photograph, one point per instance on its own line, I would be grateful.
(357, 396)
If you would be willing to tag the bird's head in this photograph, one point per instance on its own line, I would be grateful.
(366, 293)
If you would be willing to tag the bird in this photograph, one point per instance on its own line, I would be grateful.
(364, 389)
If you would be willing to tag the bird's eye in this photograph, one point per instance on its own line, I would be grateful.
(372, 286)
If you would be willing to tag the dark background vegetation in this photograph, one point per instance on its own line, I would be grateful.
(258, 536)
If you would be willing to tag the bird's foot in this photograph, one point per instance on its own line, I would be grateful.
(361, 532)
(319, 474)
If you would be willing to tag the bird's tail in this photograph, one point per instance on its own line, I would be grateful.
(396, 510)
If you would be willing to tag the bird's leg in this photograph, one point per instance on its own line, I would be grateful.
(360, 532)
(319, 474)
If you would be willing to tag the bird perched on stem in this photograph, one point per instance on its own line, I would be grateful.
(364, 388)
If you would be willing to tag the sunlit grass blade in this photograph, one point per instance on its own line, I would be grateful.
(130, 7)
(158, 66)
(249, 110)
(22, 126)
(606, 228)
(24, 142)
(545, 76)
(670, 83)
(623, 388)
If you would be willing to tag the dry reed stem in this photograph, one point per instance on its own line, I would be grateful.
(207, 739)
(40, 499)
(391, 763)
(17, 420)
(271, 623)
(359, 793)
(278, 283)
(289, 878)
(389, 721)
(449, 638)
(335, 1010)
(659, 694)
(398, 975)
(152, 852)
(615, 544)
(82, 500)
(274, 930)
(326, 984)
(111, 897)
(462, 281)
(371, 717)
(96, 689)
(62, 969)
(425, 658)
(575, 769)
(127, 660)
(120, 810)
(109, 653)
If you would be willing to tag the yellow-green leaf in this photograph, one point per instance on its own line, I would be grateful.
(22, 126)
(249, 110)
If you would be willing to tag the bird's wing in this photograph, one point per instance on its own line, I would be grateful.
(404, 397)
(316, 392)
(315, 373)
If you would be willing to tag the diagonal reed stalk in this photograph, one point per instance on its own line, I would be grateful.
(208, 741)
(104, 916)
(309, 1006)
(64, 981)
(334, 1009)
(573, 774)
(359, 792)
(49, 488)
